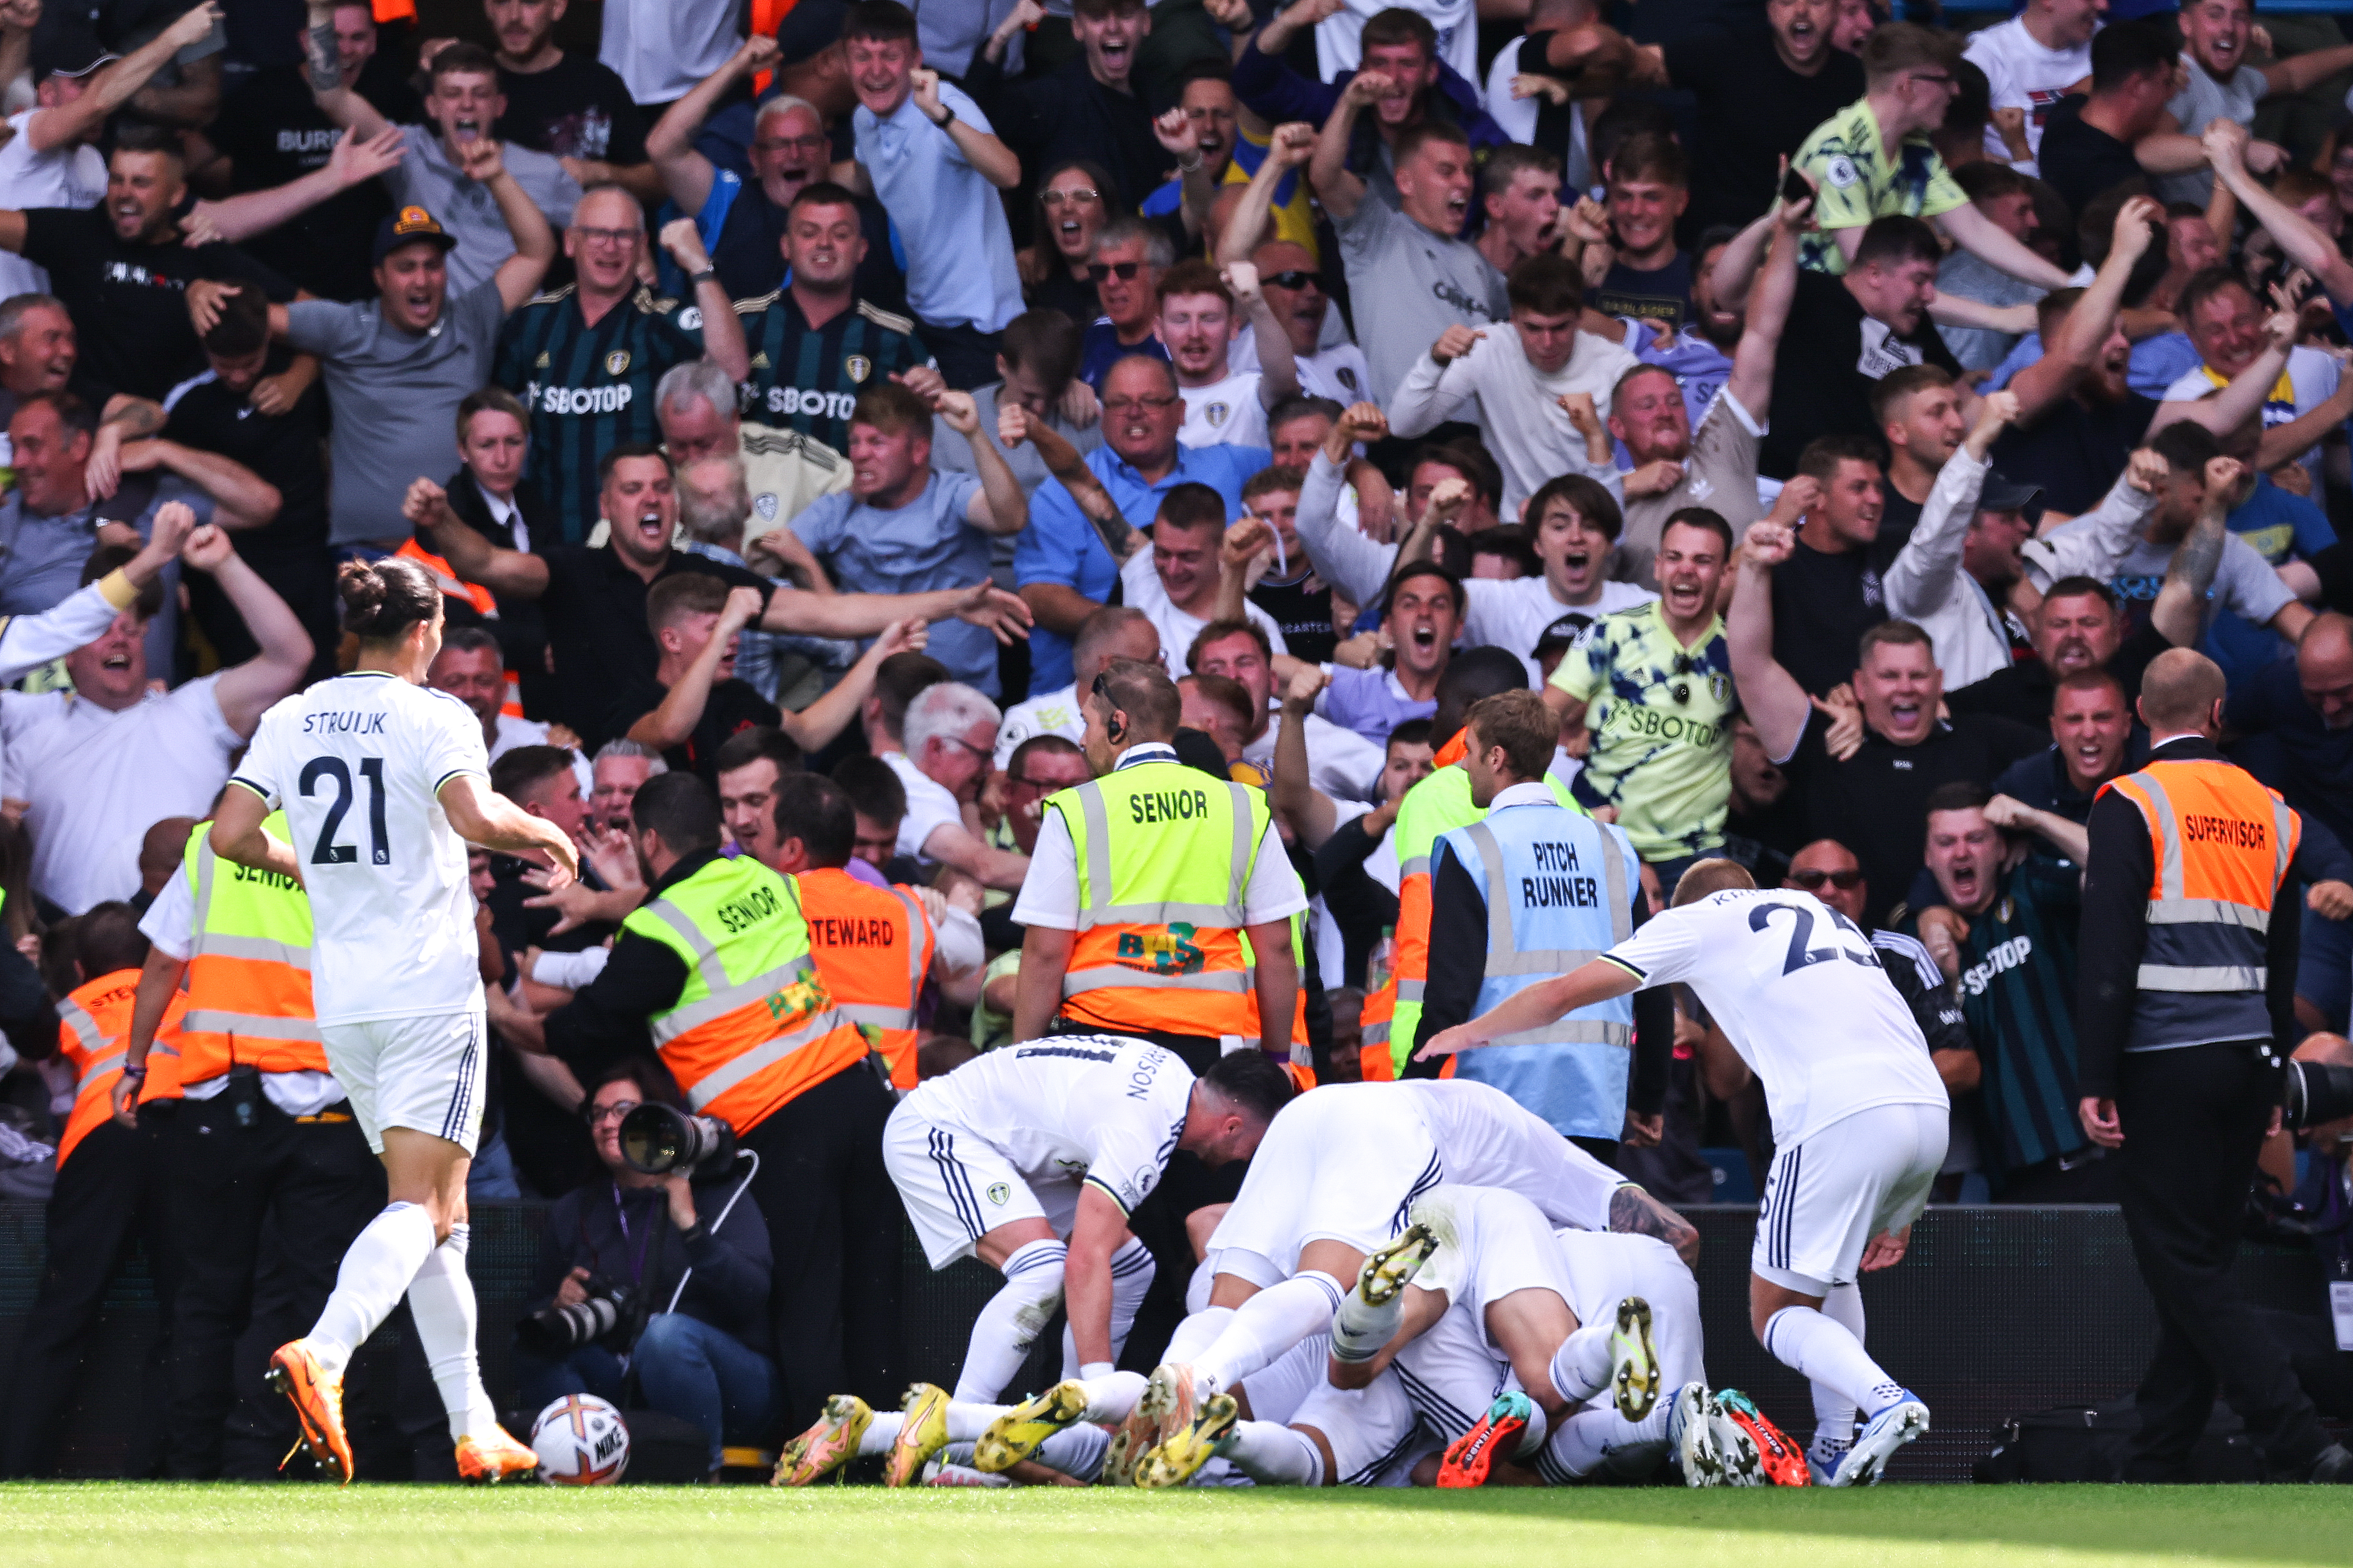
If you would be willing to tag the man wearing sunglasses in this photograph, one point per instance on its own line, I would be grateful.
(1874, 160)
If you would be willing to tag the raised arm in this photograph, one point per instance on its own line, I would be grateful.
(1926, 571)
(1769, 694)
(1769, 298)
(999, 507)
(519, 275)
(2298, 73)
(1344, 556)
(336, 99)
(1278, 367)
(2302, 244)
(29, 642)
(2085, 331)
(354, 162)
(1062, 460)
(2095, 543)
(76, 121)
(684, 173)
(1996, 247)
(1307, 811)
(1291, 147)
(1337, 186)
(2180, 612)
(868, 614)
(814, 727)
(1736, 265)
(471, 557)
(681, 706)
(2248, 391)
(993, 159)
(245, 692)
(722, 328)
(2068, 837)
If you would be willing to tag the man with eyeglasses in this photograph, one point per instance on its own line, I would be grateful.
(1874, 160)
(744, 224)
(585, 359)
(1098, 510)
(813, 343)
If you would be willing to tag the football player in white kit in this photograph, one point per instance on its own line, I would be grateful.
(1031, 1158)
(1326, 1193)
(383, 782)
(1859, 1123)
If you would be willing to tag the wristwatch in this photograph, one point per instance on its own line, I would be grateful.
(696, 279)
(948, 116)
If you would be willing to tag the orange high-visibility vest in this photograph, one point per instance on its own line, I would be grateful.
(96, 1021)
(1378, 1056)
(2220, 843)
(873, 946)
(249, 975)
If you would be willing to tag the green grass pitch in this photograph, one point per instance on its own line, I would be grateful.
(102, 1525)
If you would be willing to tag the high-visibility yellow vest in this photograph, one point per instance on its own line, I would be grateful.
(249, 979)
(754, 1025)
(1164, 854)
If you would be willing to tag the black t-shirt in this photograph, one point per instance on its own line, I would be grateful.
(1303, 610)
(126, 299)
(597, 632)
(1752, 109)
(2075, 452)
(283, 449)
(2080, 161)
(576, 108)
(272, 132)
(733, 706)
(1875, 802)
(1831, 354)
(1897, 517)
(1660, 295)
(2024, 691)
(1822, 606)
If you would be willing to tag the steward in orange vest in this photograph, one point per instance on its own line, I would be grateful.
(110, 1191)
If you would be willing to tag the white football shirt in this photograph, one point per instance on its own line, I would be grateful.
(356, 762)
(1798, 991)
(1104, 1109)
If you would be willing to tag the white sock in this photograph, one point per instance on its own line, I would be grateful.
(441, 1300)
(1012, 1321)
(375, 1274)
(1587, 1440)
(1114, 1395)
(1359, 1330)
(1824, 1352)
(1132, 1269)
(1533, 1436)
(1075, 1450)
(1266, 1325)
(1580, 1368)
(1274, 1455)
(967, 1419)
(1197, 1332)
(1834, 1412)
(881, 1433)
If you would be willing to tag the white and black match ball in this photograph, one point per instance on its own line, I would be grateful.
(581, 1441)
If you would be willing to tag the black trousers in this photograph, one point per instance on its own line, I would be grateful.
(276, 1201)
(2193, 1120)
(110, 1192)
(836, 1228)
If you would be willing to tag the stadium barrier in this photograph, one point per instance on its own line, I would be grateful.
(1996, 1311)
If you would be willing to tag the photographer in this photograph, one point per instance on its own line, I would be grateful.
(670, 1280)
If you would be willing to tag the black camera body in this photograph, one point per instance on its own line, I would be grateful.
(611, 1312)
(660, 1141)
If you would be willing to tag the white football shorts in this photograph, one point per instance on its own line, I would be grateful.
(957, 1188)
(1337, 1164)
(1827, 1196)
(426, 1074)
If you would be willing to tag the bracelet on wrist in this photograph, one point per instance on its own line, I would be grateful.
(1192, 168)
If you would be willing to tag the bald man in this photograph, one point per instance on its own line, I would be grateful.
(2186, 1001)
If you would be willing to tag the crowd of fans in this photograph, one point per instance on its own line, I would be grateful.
(1830, 415)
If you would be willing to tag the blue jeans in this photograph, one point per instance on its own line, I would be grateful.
(706, 1375)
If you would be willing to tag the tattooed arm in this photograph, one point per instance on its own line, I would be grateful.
(1063, 462)
(1634, 1212)
(2180, 612)
(324, 66)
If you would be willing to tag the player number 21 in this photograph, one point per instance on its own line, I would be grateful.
(1802, 930)
(327, 852)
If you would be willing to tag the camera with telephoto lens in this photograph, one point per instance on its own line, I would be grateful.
(660, 1141)
(558, 1329)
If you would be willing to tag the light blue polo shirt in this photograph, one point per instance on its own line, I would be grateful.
(951, 220)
